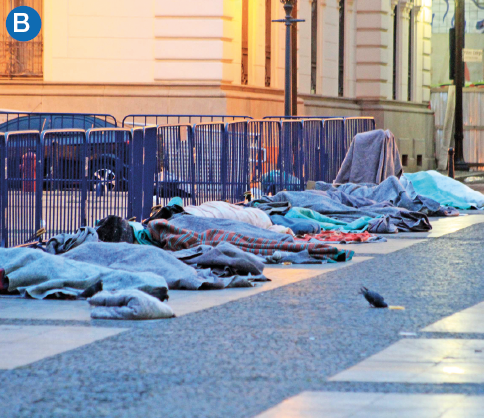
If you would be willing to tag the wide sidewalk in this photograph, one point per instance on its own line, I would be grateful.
(38, 335)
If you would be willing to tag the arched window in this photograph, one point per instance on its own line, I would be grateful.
(19, 59)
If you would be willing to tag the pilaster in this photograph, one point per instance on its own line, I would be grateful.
(193, 41)
(373, 25)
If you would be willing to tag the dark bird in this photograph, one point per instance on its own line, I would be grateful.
(373, 298)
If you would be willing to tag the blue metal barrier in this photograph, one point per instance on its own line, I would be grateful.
(334, 150)
(209, 160)
(236, 156)
(109, 161)
(24, 186)
(174, 172)
(40, 121)
(275, 156)
(301, 117)
(312, 149)
(65, 182)
(154, 119)
(66, 178)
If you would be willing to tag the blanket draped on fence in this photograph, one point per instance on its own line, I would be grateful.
(373, 156)
(174, 238)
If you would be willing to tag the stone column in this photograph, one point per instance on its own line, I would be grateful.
(417, 55)
(330, 37)
(427, 49)
(404, 8)
(350, 49)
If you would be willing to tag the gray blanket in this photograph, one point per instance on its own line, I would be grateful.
(120, 266)
(224, 260)
(198, 224)
(128, 304)
(65, 242)
(148, 259)
(399, 193)
(339, 205)
(372, 157)
(38, 275)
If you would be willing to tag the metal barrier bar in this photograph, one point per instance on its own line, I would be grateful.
(209, 145)
(164, 119)
(3, 192)
(22, 121)
(276, 160)
(302, 117)
(65, 183)
(150, 149)
(333, 148)
(313, 134)
(109, 152)
(291, 164)
(236, 165)
(135, 193)
(357, 125)
(24, 186)
(174, 171)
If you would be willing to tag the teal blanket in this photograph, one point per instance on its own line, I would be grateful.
(329, 224)
(445, 190)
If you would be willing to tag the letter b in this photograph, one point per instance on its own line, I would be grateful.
(18, 22)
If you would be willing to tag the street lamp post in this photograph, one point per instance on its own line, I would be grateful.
(288, 21)
(460, 164)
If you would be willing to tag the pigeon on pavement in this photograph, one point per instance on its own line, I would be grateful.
(373, 298)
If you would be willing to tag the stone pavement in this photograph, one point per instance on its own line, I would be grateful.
(303, 345)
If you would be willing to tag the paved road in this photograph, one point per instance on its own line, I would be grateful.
(241, 358)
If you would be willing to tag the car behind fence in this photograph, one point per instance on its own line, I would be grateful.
(61, 179)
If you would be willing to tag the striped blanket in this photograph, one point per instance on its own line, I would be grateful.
(173, 238)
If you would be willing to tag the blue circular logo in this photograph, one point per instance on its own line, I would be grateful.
(23, 23)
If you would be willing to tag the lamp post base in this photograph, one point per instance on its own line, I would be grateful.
(461, 166)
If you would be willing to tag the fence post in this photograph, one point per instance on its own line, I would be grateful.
(150, 135)
(301, 157)
(39, 182)
(191, 145)
(224, 161)
(3, 193)
(136, 174)
(84, 171)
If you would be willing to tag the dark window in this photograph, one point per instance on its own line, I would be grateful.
(314, 45)
(268, 41)
(395, 35)
(20, 59)
(341, 54)
(405, 160)
(419, 160)
(410, 50)
(245, 43)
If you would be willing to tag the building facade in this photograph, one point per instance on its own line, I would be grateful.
(354, 57)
